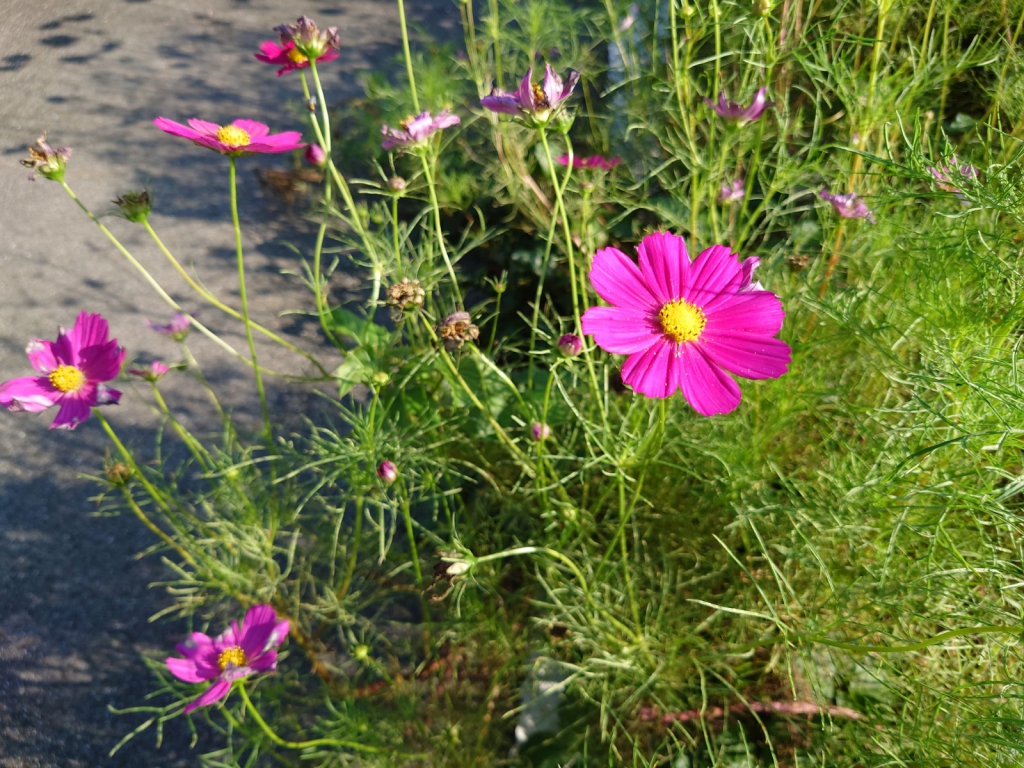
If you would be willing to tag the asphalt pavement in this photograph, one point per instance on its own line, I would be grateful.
(75, 599)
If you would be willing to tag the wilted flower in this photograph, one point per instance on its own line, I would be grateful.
(134, 206)
(730, 110)
(396, 184)
(152, 372)
(176, 329)
(540, 431)
(118, 473)
(456, 329)
(946, 174)
(732, 192)
(316, 156)
(686, 324)
(74, 369)
(570, 344)
(848, 206)
(237, 653)
(242, 137)
(538, 103)
(406, 294)
(308, 40)
(387, 471)
(589, 163)
(49, 161)
(290, 58)
(416, 130)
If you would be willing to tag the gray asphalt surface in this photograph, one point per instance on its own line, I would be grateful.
(74, 600)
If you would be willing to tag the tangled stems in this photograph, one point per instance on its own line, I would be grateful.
(429, 172)
(245, 309)
(353, 745)
(224, 307)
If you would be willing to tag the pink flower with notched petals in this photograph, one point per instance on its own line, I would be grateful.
(848, 206)
(686, 324)
(178, 327)
(237, 653)
(290, 58)
(589, 163)
(730, 110)
(242, 137)
(416, 130)
(152, 372)
(74, 369)
(536, 102)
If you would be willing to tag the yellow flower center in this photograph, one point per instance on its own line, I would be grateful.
(233, 136)
(296, 56)
(407, 122)
(682, 321)
(233, 655)
(67, 378)
(539, 96)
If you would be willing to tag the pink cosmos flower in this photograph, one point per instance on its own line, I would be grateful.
(237, 653)
(242, 137)
(730, 110)
(537, 102)
(686, 324)
(178, 327)
(588, 163)
(74, 369)
(732, 192)
(152, 372)
(290, 58)
(416, 130)
(848, 206)
(947, 174)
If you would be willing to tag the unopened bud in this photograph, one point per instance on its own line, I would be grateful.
(134, 206)
(396, 184)
(762, 7)
(570, 345)
(387, 471)
(118, 473)
(540, 431)
(316, 156)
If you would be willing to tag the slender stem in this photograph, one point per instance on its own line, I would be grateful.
(408, 55)
(429, 172)
(495, 24)
(353, 745)
(134, 506)
(357, 538)
(407, 514)
(221, 305)
(395, 237)
(197, 448)
(245, 308)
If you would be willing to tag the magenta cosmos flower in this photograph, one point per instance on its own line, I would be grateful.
(242, 137)
(152, 372)
(730, 110)
(74, 369)
(237, 653)
(290, 58)
(732, 192)
(848, 206)
(537, 102)
(589, 163)
(416, 130)
(177, 328)
(948, 175)
(686, 324)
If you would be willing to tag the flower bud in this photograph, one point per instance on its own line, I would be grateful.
(152, 372)
(134, 206)
(316, 156)
(570, 345)
(387, 471)
(49, 161)
(540, 431)
(118, 473)
(396, 184)
(762, 7)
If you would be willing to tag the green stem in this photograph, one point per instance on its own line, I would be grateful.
(495, 24)
(408, 55)
(429, 172)
(357, 538)
(134, 506)
(407, 514)
(245, 307)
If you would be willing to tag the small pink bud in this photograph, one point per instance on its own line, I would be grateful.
(540, 431)
(316, 156)
(387, 471)
(396, 184)
(152, 372)
(570, 345)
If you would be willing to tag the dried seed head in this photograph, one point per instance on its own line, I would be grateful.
(134, 206)
(118, 473)
(456, 329)
(406, 294)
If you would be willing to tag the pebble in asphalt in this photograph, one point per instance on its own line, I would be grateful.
(74, 600)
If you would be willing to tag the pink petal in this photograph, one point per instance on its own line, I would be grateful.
(329, 55)
(524, 93)
(665, 265)
(714, 272)
(204, 127)
(106, 395)
(257, 626)
(88, 331)
(29, 393)
(176, 129)
(652, 372)
(75, 408)
(42, 354)
(254, 129)
(758, 312)
(186, 670)
(101, 362)
(751, 356)
(269, 50)
(618, 281)
(215, 692)
(706, 387)
(552, 85)
(265, 662)
(621, 331)
(198, 646)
